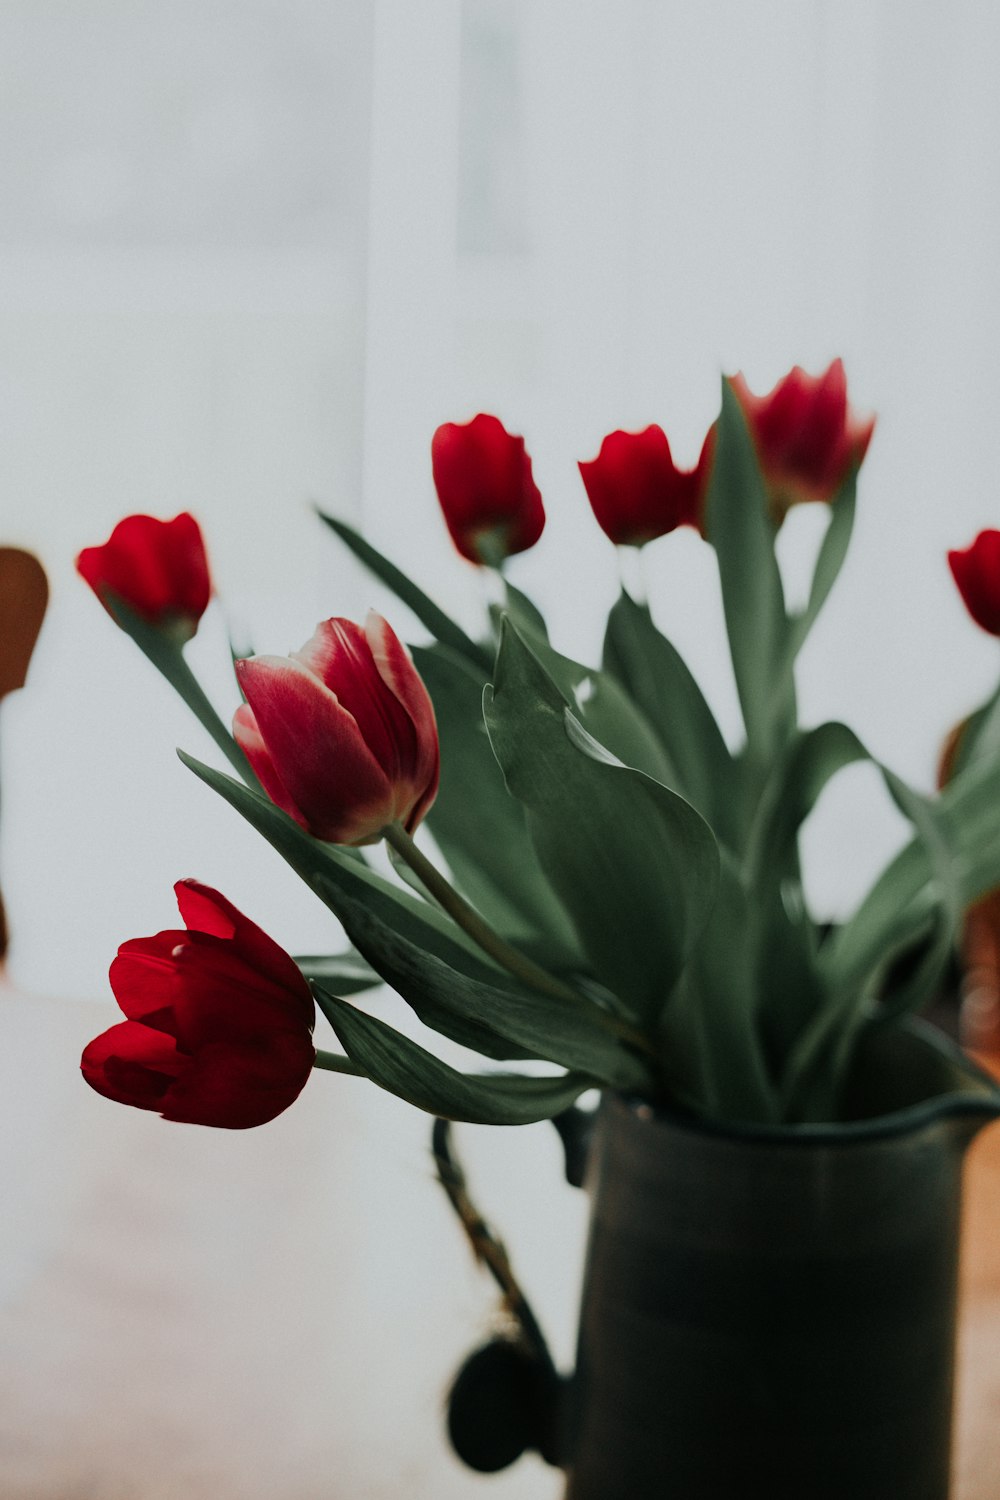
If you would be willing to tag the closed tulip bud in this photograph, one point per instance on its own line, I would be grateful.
(807, 438)
(482, 474)
(638, 493)
(158, 569)
(976, 571)
(220, 1020)
(342, 733)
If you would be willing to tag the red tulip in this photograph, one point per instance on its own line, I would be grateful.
(482, 475)
(806, 436)
(977, 573)
(220, 1020)
(157, 568)
(342, 733)
(636, 490)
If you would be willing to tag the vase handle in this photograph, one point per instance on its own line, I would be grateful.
(508, 1395)
(576, 1131)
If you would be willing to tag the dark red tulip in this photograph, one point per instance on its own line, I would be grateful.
(342, 733)
(807, 438)
(638, 493)
(220, 1020)
(977, 573)
(482, 474)
(157, 568)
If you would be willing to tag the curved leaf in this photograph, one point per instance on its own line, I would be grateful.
(633, 863)
(478, 825)
(430, 615)
(403, 1068)
(741, 531)
(658, 680)
(541, 1026)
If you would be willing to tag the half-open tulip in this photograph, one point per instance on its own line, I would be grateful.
(482, 474)
(638, 493)
(806, 436)
(220, 1020)
(157, 568)
(342, 733)
(976, 570)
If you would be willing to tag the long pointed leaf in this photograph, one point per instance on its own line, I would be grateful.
(410, 1072)
(656, 677)
(742, 533)
(542, 1026)
(478, 825)
(430, 615)
(633, 863)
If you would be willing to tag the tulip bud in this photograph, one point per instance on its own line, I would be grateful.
(483, 479)
(341, 734)
(220, 1020)
(157, 568)
(976, 571)
(806, 436)
(637, 492)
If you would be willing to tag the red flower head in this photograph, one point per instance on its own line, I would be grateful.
(220, 1020)
(806, 436)
(636, 490)
(157, 568)
(977, 573)
(342, 733)
(482, 475)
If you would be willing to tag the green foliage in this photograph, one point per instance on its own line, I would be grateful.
(633, 863)
(403, 1068)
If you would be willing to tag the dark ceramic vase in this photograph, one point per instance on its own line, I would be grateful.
(771, 1312)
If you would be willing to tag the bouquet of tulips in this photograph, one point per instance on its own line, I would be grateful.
(611, 894)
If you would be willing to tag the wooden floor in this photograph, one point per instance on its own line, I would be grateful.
(275, 1314)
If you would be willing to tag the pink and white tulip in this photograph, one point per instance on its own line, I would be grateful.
(342, 734)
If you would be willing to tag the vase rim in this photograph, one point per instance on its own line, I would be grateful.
(981, 1100)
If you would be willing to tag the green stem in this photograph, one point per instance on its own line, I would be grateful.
(508, 957)
(335, 1062)
(168, 658)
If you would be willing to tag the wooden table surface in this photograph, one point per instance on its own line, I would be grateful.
(275, 1314)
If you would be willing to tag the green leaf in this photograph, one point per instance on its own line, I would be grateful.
(523, 612)
(601, 705)
(823, 1053)
(403, 1068)
(979, 737)
(549, 1027)
(348, 972)
(829, 562)
(792, 791)
(433, 618)
(716, 1011)
(633, 863)
(658, 680)
(477, 824)
(329, 870)
(742, 533)
(899, 904)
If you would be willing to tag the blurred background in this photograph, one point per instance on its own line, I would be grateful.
(251, 255)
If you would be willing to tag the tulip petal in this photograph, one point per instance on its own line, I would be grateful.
(340, 655)
(976, 571)
(132, 1064)
(158, 568)
(237, 1086)
(204, 910)
(325, 764)
(482, 474)
(397, 672)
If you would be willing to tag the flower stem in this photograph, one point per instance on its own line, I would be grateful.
(335, 1062)
(168, 658)
(507, 956)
